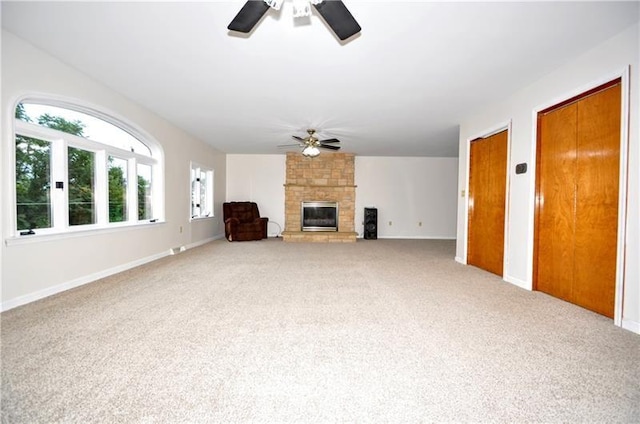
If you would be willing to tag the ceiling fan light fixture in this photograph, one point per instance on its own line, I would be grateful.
(301, 8)
(310, 151)
(274, 4)
(334, 12)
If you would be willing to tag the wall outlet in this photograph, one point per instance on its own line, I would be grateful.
(462, 193)
(181, 229)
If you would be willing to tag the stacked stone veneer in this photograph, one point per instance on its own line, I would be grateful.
(328, 177)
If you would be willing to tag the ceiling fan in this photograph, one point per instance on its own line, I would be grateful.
(311, 145)
(334, 12)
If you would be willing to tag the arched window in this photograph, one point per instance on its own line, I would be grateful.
(78, 168)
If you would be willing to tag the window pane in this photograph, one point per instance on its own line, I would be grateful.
(93, 195)
(80, 124)
(195, 198)
(201, 192)
(33, 183)
(117, 189)
(204, 207)
(81, 187)
(144, 192)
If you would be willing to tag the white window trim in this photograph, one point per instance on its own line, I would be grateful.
(210, 191)
(80, 232)
(60, 139)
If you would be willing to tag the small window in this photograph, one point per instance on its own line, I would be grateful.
(74, 166)
(201, 191)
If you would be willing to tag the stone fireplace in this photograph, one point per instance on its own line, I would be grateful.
(325, 178)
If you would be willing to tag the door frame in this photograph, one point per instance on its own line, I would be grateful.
(623, 74)
(504, 126)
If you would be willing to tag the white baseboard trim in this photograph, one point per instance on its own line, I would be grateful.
(41, 294)
(417, 237)
(205, 241)
(180, 249)
(460, 260)
(518, 282)
(633, 326)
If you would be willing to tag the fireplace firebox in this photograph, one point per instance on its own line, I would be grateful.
(319, 216)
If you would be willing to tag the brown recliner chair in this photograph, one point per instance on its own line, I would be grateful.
(242, 222)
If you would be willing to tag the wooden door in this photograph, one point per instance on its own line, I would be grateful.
(577, 200)
(487, 191)
(556, 192)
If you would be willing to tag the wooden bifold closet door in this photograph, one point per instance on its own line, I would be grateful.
(487, 194)
(577, 200)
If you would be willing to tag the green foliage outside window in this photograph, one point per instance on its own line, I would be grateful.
(61, 124)
(144, 198)
(21, 114)
(33, 179)
(81, 187)
(33, 183)
(117, 190)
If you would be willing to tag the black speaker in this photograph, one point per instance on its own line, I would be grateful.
(370, 223)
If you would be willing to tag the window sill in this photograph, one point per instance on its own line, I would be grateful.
(80, 232)
(201, 218)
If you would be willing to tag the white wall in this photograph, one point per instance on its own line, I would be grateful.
(34, 268)
(604, 62)
(260, 179)
(406, 191)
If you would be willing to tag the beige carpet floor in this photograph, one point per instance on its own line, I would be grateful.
(373, 331)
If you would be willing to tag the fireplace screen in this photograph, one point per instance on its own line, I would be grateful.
(319, 216)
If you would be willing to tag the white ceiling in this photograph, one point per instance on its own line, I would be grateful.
(399, 88)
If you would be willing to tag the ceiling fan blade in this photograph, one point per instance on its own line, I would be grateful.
(330, 140)
(291, 145)
(298, 138)
(328, 146)
(338, 17)
(248, 16)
